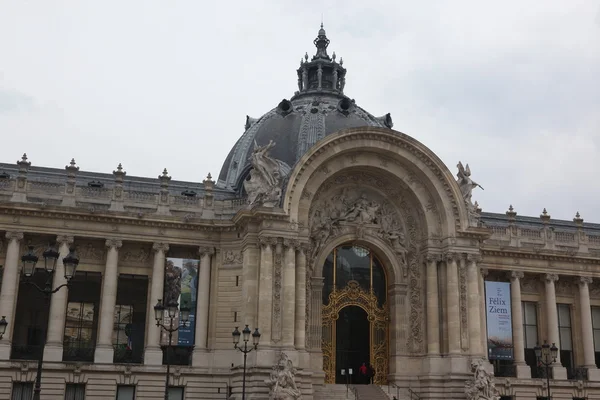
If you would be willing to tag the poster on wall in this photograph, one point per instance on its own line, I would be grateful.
(181, 287)
(499, 320)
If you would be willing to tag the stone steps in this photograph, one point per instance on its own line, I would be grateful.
(332, 392)
(370, 392)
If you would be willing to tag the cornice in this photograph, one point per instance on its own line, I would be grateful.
(74, 215)
(539, 256)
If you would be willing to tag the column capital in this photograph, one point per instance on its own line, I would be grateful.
(451, 256)
(291, 243)
(585, 280)
(164, 247)
(18, 236)
(474, 257)
(64, 239)
(550, 277)
(113, 243)
(431, 257)
(516, 275)
(205, 250)
(265, 241)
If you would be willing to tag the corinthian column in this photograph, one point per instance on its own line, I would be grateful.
(473, 303)
(483, 272)
(299, 336)
(9, 290)
(289, 293)
(551, 312)
(523, 371)
(433, 314)
(587, 334)
(104, 351)
(265, 293)
(452, 304)
(58, 305)
(202, 302)
(153, 353)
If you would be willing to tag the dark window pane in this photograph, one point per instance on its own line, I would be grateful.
(22, 391)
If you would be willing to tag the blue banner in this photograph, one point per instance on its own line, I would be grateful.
(181, 286)
(499, 320)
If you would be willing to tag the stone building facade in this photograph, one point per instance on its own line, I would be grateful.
(342, 240)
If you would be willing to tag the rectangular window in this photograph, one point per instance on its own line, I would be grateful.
(22, 391)
(75, 391)
(530, 333)
(125, 392)
(596, 330)
(79, 330)
(566, 341)
(175, 393)
(129, 324)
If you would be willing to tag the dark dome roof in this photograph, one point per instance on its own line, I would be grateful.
(318, 108)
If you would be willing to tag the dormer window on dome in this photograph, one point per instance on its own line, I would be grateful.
(322, 72)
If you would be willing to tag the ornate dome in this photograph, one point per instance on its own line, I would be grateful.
(317, 109)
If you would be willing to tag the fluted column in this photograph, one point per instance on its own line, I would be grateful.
(517, 317)
(433, 314)
(104, 351)
(203, 298)
(473, 304)
(552, 312)
(153, 353)
(483, 272)
(587, 334)
(265, 293)
(316, 321)
(9, 290)
(58, 305)
(453, 304)
(250, 293)
(289, 293)
(300, 334)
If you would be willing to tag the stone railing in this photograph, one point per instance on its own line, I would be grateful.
(548, 237)
(118, 198)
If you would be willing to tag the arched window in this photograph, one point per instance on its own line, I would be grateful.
(354, 263)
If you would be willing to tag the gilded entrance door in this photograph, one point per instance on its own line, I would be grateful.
(363, 291)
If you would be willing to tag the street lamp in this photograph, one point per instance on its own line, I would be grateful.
(546, 356)
(236, 341)
(29, 261)
(159, 315)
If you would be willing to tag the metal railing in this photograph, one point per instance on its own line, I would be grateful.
(354, 392)
(79, 353)
(123, 355)
(25, 352)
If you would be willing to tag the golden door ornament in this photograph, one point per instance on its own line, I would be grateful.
(354, 295)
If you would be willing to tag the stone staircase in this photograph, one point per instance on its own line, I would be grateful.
(370, 392)
(332, 392)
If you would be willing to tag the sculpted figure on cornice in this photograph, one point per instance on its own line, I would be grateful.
(467, 185)
(266, 177)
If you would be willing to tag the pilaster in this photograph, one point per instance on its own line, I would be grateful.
(153, 353)
(9, 291)
(523, 370)
(452, 303)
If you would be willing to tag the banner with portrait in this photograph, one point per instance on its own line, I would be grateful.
(499, 321)
(181, 287)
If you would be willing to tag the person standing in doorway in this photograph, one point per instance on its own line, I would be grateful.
(363, 374)
(370, 373)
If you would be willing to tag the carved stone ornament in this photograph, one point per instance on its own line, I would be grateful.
(89, 252)
(467, 185)
(281, 382)
(232, 257)
(481, 386)
(266, 177)
(139, 255)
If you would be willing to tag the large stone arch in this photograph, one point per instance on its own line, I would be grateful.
(406, 158)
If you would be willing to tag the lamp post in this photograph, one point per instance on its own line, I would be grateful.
(159, 315)
(546, 356)
(236, 341)
(29, 261)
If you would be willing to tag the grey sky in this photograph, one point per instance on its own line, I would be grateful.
(512, 87)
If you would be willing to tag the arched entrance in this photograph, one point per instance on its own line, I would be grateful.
(355, 314)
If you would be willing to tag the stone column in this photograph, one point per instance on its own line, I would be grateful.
(587, 333)
(433, 314)
(202, 306)
(10, 290)
(153, 353)
(299, 336)
(108, 300)
(265, 293)
(250, 286)
(315, 325)
(289, 293)
(453, 304)
(483, 272)
(523, 370)
(58, 305)
(473, 305)
(559, 372)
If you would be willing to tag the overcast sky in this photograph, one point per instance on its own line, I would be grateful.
(511, 87)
